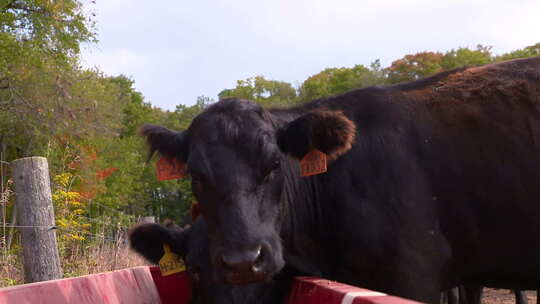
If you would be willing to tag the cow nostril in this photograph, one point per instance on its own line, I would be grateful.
(259, 258)
(224, 261)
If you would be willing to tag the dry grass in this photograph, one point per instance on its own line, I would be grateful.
(106, 257)
(10, 270)
(77, 261)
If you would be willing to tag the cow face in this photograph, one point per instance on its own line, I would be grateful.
(192, 244)
(236, 153)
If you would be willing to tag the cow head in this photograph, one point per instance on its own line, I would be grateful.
(192, 244)
(237, 154)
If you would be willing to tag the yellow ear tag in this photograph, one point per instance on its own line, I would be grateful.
(170, 262)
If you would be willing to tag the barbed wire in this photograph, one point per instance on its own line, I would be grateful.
(62, 229)
(88, 233)
(96, 220)
(112, 209)
(31, 226)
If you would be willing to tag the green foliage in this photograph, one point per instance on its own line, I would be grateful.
(466, 57)
(181, 118)
(335, 81)
(414, 66)
(136, 111)
(424, 64)
(84, 122)
(31, 30)
(266, 92)
(530, 51)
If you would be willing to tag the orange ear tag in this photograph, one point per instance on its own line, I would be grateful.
(313, 163)
(170, 168)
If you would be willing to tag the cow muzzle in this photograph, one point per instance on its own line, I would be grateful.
(245, 266)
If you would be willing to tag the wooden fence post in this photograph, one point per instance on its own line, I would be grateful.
(35, 211)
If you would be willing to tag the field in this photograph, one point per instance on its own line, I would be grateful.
(503, 296)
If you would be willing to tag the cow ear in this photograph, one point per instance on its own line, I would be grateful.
(330, 132)
(164, 141)
(148, 239)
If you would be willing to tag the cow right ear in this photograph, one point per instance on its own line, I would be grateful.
(330, 132)
(166, 142)
(148, 239)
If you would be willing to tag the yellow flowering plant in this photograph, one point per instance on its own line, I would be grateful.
(69, 208)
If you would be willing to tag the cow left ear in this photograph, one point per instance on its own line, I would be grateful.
(166, 142)
(148, 239)
(330, 132)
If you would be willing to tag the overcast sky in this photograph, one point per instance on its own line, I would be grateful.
(176, 50)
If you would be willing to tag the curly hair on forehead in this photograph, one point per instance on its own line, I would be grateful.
(234, 121)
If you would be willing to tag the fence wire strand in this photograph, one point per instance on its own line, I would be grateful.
(61, 229)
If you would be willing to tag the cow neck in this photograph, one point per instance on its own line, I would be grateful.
(303, 222)
(302, 216)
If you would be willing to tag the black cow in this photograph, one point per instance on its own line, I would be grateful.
(430, 184)
(192, 244)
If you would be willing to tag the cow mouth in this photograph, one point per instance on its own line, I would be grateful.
(244, 279)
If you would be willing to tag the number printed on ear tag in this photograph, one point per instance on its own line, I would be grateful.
(313, 163)
(170, 262)
(170, 168)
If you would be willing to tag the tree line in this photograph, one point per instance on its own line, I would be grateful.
(333, 81)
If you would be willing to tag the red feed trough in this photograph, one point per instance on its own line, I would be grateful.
(308, 290)
(133, 285)
(145, 285)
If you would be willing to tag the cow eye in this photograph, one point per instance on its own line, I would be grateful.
(276, 164)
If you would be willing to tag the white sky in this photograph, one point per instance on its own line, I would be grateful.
(176, 50)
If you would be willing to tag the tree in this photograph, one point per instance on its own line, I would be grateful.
(266, 92)
(529, 51)
(39, 42)
(39, 27)
(466, 57)
(335, 81)
(181, 118)
(414, 66)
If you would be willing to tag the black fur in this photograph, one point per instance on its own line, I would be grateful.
(148, 239)
(166, 142)
(328, 131)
